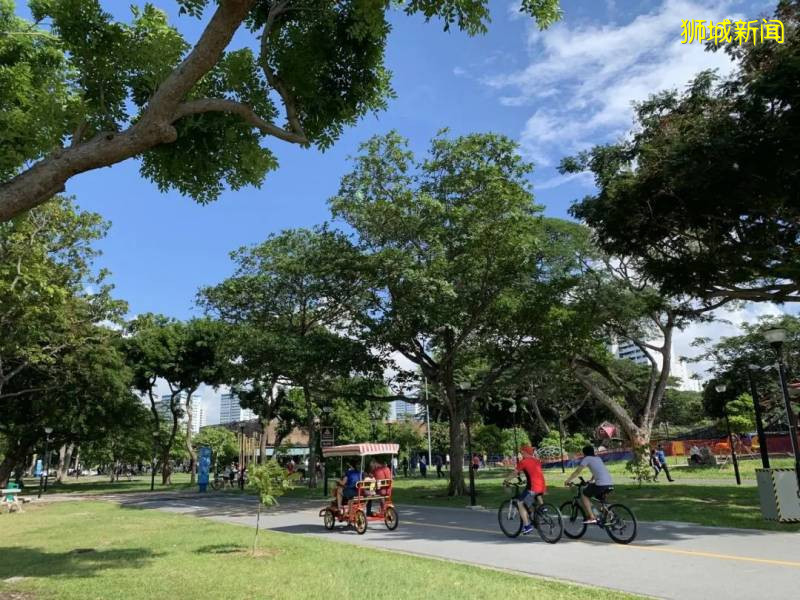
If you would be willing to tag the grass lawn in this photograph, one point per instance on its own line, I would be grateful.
(680, 470)
(715, 505)
(100, 484)
(86, 550)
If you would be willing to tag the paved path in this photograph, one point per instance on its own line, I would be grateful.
(668, 560)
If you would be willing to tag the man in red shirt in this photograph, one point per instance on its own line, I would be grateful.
(535, 486)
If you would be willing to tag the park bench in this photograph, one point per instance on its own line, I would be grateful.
(10, 498)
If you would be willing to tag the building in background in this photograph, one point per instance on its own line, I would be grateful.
(231, 412)
(400, 410)
(198, 410)
(627, 350)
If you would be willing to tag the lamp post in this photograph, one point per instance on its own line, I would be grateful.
(762, 437)
(513, 411)
(153, 462)
(47, 431)
(721, 390)
(776, 337)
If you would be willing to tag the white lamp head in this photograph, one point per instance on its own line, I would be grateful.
(776, 335)
(721, 387)
(48, 430)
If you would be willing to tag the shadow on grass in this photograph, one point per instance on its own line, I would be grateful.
(21, 561)
(221, 549)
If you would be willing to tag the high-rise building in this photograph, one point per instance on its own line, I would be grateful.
(230, 411)
(198, 410)
(400, 410)
(626, 349)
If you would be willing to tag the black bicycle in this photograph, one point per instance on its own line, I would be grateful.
(617, 519)
(546, 517)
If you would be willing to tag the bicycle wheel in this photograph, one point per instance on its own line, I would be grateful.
(574, 527)
(215, 485)
(329, 519)
(390, 518)
(548, 522)
(620, 524)
(509, 518)
(360, 522)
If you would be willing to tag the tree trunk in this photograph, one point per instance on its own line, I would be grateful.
(6, 468)
(77, 462)
(189, 447)
(312, 446)
(456, 486)
(262, 442)
(62, 455)
(32, 466)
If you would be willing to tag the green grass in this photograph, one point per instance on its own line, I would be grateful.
(100, 484)
(713, 505)
(86, 550)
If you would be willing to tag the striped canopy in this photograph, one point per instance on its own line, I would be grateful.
(366, 449)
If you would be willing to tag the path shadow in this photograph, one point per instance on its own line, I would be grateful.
(21, 561)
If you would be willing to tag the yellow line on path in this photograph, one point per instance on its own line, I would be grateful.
(733, 557)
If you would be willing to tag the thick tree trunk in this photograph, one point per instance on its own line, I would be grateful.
(189, 447)
(77, 461)
(6, 469)
(62, 455)
(456, 486)
(312, 440)
(262, 443)
(32, 467)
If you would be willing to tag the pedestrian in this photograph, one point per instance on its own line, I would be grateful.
(476, 462)
(662, 461)
(437, 461)
(423, 467)
(394, 466)
(412, 465)
(694, 455)
(232, 474)
(447, 461)
(654, 464)
(405, 466)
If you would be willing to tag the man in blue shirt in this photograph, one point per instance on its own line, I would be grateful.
(662, 460)
(346, 489)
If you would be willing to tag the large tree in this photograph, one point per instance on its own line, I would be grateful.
(467, 277)
(81, 90)
(298, 289)
(705, 193)
(183, 354)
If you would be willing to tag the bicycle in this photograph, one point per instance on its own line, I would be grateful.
(618, 520)
(220, 482)
(546, 517)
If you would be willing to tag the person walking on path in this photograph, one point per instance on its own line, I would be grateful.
(394, 466)
(405, 466)
(437, 462)
(661, 457)
(655, 464)
(423, 467)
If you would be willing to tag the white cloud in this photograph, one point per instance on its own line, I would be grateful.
(582, 79)
(747, 313)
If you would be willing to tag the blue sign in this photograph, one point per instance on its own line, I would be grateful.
(203, 467)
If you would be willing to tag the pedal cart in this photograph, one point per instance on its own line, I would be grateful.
(379, 492)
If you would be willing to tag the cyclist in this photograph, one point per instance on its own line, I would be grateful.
(535, 486)
(599, 484)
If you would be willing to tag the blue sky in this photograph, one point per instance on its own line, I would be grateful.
(556, 91)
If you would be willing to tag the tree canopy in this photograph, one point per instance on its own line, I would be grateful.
(705, 193)
(81, 90)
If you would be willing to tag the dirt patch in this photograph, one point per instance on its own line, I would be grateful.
(8, 595)
(264, 552)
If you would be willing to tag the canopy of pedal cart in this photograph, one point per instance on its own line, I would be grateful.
(365, 449)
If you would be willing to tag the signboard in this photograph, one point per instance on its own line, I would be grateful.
(327, 437)
(203, 466)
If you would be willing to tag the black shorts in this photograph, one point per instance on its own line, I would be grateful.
(348, 493)
(597, 491)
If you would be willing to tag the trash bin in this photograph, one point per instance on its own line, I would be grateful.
(777, 490)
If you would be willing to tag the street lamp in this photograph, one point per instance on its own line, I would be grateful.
(776, 337)
(48, 431)
(721, 387)
(513, 411)
(762, 437)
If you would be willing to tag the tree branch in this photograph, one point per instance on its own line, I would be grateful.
(205, 105)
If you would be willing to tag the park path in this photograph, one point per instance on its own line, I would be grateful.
(667, 560)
